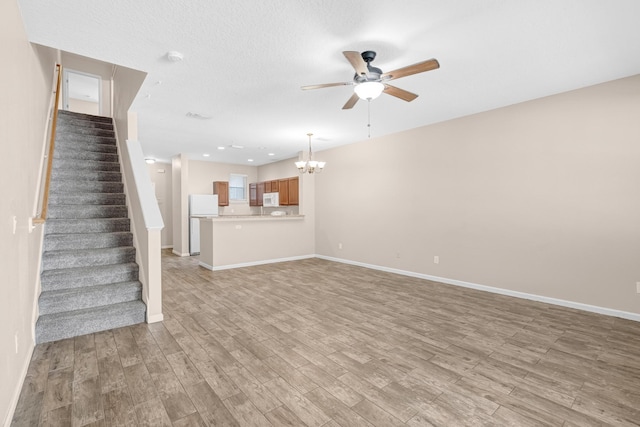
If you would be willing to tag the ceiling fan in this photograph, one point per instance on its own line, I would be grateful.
(370, 81)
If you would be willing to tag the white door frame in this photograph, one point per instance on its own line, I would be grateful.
(65, 87)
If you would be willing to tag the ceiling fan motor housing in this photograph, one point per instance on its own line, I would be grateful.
(373, 73)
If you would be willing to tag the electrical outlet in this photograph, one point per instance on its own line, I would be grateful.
(638, 287)
(436, 259)
(238, 227)
(14, 221)
(339, 245)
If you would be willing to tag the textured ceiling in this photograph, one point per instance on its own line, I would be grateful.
(245, 60)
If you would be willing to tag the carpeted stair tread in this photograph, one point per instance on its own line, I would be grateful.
(71, 258)
(86, 211)
(81, 165)
(74, 138)
(89, 175)
(68, 123)
(86, 297)
(64, 115)
(86, 225)
(53, 327)
(68, 278)
(69, 198)
(65, 153)
(53, 242)
(68, 186)
(99, 146)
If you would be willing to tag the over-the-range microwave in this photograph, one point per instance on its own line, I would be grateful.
(271, 200)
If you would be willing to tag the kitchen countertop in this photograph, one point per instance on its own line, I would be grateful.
(253, 217)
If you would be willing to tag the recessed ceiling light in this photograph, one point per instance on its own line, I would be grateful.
(150, 160)
(206, 154)
(237, 147)
(249, 160)
(220, 148)
(271, 154)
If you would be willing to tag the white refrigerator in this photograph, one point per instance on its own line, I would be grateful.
(200, 206)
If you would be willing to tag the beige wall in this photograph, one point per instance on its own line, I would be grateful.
(541, 197)
(26, 86)
(102, 69)
(160, 174)
(179, 200)
(202, 174)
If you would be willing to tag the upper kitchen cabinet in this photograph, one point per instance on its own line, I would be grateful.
(221, 188)
(253, 194)
(289, 191)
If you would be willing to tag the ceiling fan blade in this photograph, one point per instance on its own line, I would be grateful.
(420, 67)
(399, 93)
(351, 102)
(326, 85)
(355, 58)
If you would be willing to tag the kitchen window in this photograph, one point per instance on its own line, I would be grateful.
(237, 187)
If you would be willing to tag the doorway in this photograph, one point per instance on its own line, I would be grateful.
(81, 92)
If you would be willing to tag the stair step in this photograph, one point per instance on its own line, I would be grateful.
(68, 124)
(82, 130)
(82, 165)
(88, 297)
(73, 258)
(64, 153)
(63, 138)
(86, 175)
(54, 242)
(65, 186)
(64, 115)
(70, 278)
(69, 198)
(86, 211)
(86, 225)
(53, 327)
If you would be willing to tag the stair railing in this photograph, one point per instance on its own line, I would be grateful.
(43, 196)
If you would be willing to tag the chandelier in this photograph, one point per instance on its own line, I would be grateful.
(310, 166)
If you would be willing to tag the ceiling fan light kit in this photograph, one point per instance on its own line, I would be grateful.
(370, 81)
(310, 166)
(368, 90)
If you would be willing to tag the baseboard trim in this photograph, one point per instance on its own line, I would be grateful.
(180, 254)
(251, 264)
(16, 394)
(155, 318)
(167, 247)
(533, 297)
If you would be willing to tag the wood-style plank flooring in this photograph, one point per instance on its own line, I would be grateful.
(316, 343)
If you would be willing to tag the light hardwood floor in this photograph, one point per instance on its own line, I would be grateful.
(318, 343)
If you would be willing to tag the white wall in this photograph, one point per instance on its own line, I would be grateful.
(541, 197)
(160, 174)
(26, 86)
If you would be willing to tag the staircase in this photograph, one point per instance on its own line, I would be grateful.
(89, 274)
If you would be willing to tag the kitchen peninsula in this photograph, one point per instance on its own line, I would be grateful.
(231, 241)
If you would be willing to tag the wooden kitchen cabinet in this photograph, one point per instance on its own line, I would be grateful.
(294, 191)
(283, 190)
(253, 194)
(288, 189)
(221, 188)
(259, 193)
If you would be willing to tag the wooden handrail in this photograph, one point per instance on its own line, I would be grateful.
(52, 142)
